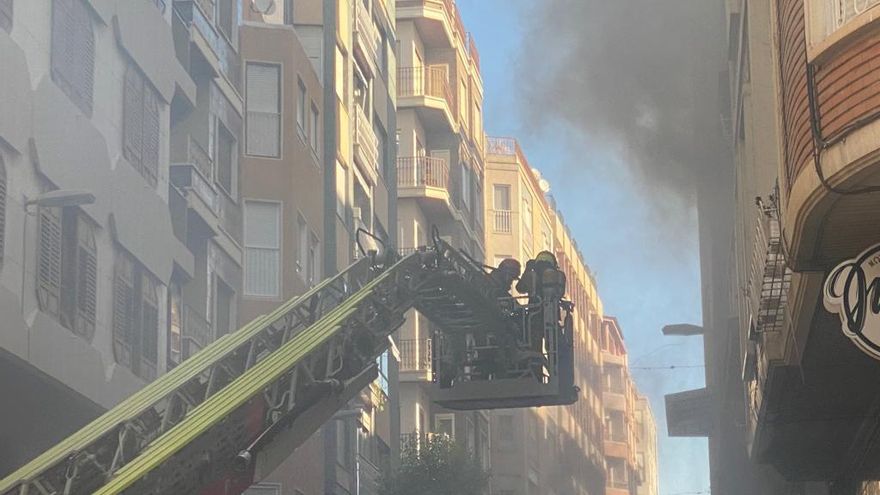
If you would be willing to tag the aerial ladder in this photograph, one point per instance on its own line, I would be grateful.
(230, 414)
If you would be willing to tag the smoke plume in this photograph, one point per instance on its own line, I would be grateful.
(639, 75)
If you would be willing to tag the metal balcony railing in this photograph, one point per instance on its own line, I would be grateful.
(422, 171)
(769, 277)
(503, 221)
(415, 355)
(424, 81)
(844, 10)
(366, 140)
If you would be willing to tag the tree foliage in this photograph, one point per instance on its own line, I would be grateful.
(438, 466)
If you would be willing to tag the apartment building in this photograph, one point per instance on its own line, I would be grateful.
(119, 152)
(317, 168)
(793, 402)
(439, 177)
(619, 398)
(646, 448)
(548, 450)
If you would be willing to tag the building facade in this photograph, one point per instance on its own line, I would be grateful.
(799, 114)
(646, 449)
(440, 169)
(548, 450)
(137, 103)
(619, 398)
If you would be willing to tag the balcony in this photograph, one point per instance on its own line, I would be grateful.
(503, 221)
(438, 21)
(427, 89)
(427, 180)
(197, 332)
(214, 49)
(415, 355)
(366, 38)
(366, 146)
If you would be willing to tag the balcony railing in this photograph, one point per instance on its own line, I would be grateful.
(503, 221)
(197, 332)
(422, 171)
(424, 81)
(367, 33)
(231, 218)
(415, 355)
(199, 14)
(187, 177)
(770, 277)
(367, 142)
(177, 209)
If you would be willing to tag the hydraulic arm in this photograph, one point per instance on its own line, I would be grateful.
(230, 414)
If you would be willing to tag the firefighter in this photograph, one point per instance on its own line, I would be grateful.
(506, 273)
(541, 272)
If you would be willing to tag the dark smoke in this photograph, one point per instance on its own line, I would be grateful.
(639, 75)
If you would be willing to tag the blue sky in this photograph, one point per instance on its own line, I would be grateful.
(643, 279)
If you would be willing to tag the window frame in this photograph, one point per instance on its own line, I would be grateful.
(279, 114)
(301, 101)
(145, 93)
(279, 249)
(128, 337)
(63, 74)
(314, 124)
(221, 128)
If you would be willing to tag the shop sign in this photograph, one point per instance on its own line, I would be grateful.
(852, 290)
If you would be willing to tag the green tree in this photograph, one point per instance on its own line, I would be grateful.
(439, 466)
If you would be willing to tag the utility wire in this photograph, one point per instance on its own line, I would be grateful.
(670, 367)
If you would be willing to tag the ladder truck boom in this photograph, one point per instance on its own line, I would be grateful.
(230, 414)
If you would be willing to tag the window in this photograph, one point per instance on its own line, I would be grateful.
(314, 131)
(527, 217)
(617, 472)
(302, 235)
(6, 15)
(463, 102)
(227, 158)
(141, 124)
(546, 236)
(67, 270)
(341, 190)
(227, 18)
(505, 429)
(135, 316)
(615, 426)
(301, 108)
(343, 444)
(175, 325)
(445, 424)
(501, 197)
(314, 269)
(3, 189)
(73, 51)
(224, 301)
(382, 363)
(262, 246)
(466, 185)
(263, 102)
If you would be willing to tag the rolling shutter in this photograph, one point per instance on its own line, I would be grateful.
(49, 262)
(263, 110)
(86, 279)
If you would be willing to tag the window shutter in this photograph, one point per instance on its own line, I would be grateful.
(133, 118)
(2, 208)
(49, 268)
(123, 309)
(149, 326)
(86, 279)
(151, 139)
(6, 15)
(263, 110)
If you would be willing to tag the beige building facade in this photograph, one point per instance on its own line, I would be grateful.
(439, 185)
(548, 450)
(646, 449)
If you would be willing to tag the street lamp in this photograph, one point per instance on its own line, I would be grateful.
(682, 329)
(60, 198)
